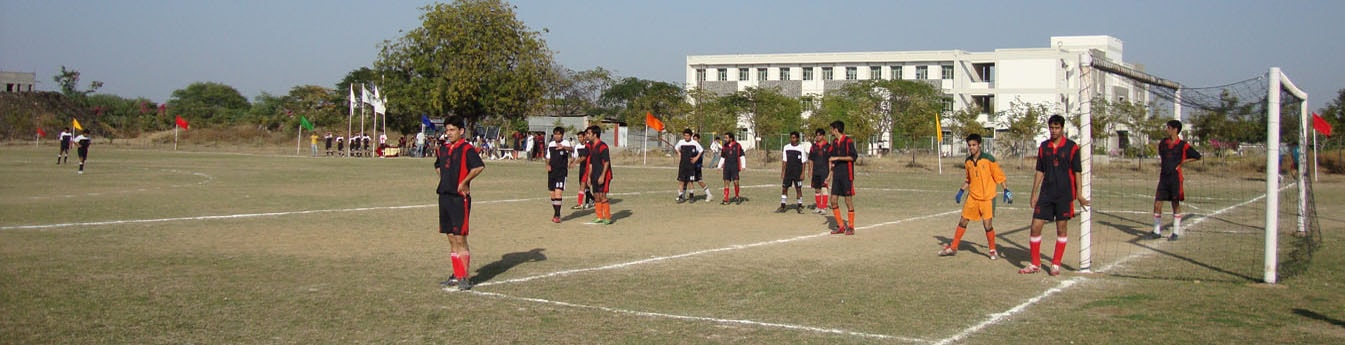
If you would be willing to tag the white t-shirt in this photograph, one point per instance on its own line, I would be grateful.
(420, 138)
(802, 152)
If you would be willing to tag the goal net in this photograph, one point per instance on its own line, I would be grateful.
(1248, 213)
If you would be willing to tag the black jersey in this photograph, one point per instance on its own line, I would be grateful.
(688, 150)
(843, 147)
(454, 161)
(793, 159)
(1172, 153)
(558, 156)
(732, 154)
(598, 157)
(1058, 161)
(818, 155)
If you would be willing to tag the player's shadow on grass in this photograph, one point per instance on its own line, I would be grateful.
(1140, 240)
(1315, 316)
(506, 262)
(967, 246)
(1018, 254)
(622, 214)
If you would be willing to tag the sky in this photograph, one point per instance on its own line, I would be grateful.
(149, 48)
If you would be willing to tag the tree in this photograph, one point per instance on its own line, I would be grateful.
(766, 112)
(1334, 113)
(1025, 120)
(966, 122)
(471, 58)
(910, 108)
(210, 102)
(68, 80)
(631, 98)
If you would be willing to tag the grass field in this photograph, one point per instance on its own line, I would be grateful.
(155, 247)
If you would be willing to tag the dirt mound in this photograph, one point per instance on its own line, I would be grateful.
(22, 113)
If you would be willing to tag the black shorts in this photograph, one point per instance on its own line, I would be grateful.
(555, 183)
(793, 181)
(600, 186)
(454, 211)
(842, 185)
(1170, 189)
(686, 173)
(730, 174)
(819, 181)
(65, 147)
(83, 152)
(698, 172)
(1053, 210)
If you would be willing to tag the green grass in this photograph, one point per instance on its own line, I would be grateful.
(346, 251)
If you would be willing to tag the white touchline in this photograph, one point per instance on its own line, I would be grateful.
(695, 253)
(286, 213)
(700, 318)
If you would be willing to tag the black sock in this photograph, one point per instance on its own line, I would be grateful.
(555, 206)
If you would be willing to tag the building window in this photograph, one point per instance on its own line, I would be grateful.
(761, 74)
(784, 73)
(807, 73)
(700, 74)
(896, 73)
(875, 72)
(985, 103)
(947, 104)
(826, 74)
(723, 74)
(851, 73)
(985, 71)
(921, 72)
(742, 74)
(947, 72)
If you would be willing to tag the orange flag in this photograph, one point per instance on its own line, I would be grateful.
(653, 122)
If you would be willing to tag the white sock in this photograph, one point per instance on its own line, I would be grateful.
(1176, 224)
(1158, 223)
(784, 198)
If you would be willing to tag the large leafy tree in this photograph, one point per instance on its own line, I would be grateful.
(631, 98)
(472, 58)
(68, 80)
(208, 102)
(766, 112)
(1334, 113)
(1024, 121)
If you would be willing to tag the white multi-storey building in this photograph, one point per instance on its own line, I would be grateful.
(992, 81)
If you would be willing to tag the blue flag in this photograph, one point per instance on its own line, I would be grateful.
(426, 121)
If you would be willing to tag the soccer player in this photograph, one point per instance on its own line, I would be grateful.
(64, 155)
(584, 199)
(1054, 191)
(819, 164)
(557, 168)
(688, 155)
(791, 172)
(457, 164)
(341, 145)
(1173, 152)
(328, 141)
(83, 140)
(732, 162)
(983, 175)
(842, 157)
(600, 175)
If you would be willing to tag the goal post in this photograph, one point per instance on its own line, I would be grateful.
(1280, 83)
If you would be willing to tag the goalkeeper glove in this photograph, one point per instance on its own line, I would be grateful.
(1008, 196)
(958, 197)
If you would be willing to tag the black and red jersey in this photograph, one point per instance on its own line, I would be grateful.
(1058, 161)
(843, 147)
(818, 155)
(1172, 153)
(598, 157)
(732, 154)
(454, 160)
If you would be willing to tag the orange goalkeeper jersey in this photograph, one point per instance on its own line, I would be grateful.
(983, 173)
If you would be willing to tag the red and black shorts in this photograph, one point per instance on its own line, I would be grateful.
(1053, 210)
(454, 211)
(598, 185)
(1170, 189)
(730, 174)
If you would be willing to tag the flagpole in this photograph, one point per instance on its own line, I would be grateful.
(175, 126)
(299, 141)
(1314, 155)
(644, 147)
(938, 151)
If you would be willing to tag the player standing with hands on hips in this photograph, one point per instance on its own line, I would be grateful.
(983, 175)
(1055, 187)
(457, 164)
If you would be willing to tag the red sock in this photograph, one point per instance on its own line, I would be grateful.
(726, 193)
(990, 237)
(466, 258)
(735, 191)
(607, 210)
(458, 267)
(1035, 249)
(957, 237)
(817, 200)
(839, 222)
(850, 218)
(825, 199)
(580, 199)
(1059, 250)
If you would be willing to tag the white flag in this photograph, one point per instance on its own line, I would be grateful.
(353, 101)
(364, 94)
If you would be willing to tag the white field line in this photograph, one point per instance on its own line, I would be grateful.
(706, 319)
(286, 213)
(206, 178)
(998, 317)
(697, 253)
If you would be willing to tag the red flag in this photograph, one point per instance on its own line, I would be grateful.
(181, 122)
(1319, 123)
(653, 122)
(41, 133)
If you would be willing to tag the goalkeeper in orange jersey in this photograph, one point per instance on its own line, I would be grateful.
(983, 175)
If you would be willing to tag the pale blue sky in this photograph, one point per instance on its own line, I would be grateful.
(148, 48)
